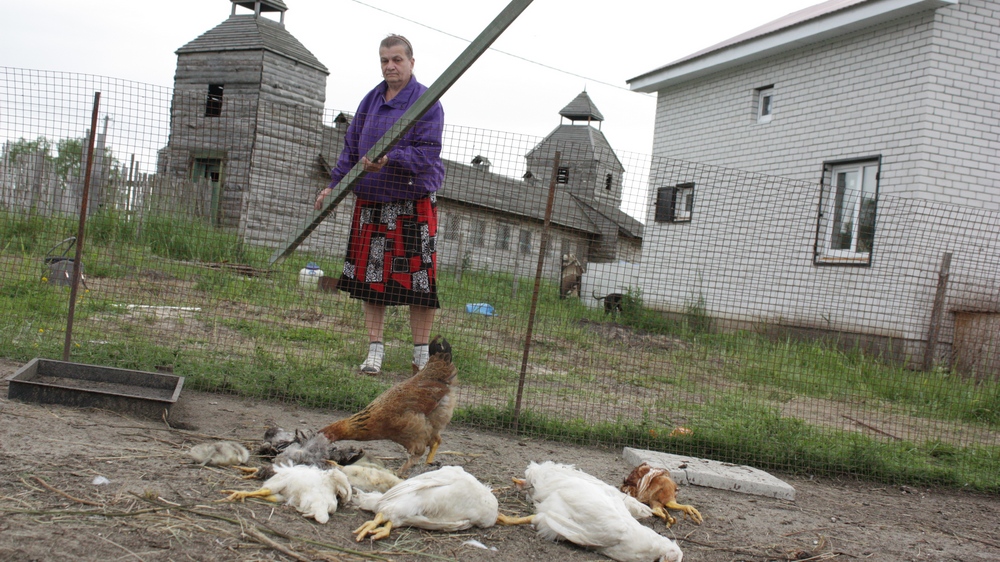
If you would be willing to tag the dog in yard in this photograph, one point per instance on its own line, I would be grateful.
(612, 302)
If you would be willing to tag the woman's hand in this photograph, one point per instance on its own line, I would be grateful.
(319, 198)
(374, 166)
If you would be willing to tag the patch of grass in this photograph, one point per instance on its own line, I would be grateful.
(727, 388)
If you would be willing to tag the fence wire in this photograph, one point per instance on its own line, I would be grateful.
(684, 307)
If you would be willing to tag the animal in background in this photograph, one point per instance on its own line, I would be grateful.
(448, 499)
(411, 413)
(575, 506)
(572, 276)
(613, 302)
(654, 487)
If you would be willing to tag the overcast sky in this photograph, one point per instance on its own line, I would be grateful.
(595, 46)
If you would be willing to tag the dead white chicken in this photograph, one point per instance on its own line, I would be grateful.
(313, 491)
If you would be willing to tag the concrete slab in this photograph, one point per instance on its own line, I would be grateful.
(713, 474)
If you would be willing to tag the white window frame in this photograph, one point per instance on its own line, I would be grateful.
(765, 104)
(844, 207)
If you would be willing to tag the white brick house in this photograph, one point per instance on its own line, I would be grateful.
(855, 102)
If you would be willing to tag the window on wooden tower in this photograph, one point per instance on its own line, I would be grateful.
(607, 182)
(213, 105)
(562, 174)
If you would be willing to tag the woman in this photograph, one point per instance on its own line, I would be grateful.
(391, 258)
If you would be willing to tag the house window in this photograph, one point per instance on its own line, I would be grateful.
(674, 204)
(503, 237)
(607, 182)
(562, 174)
(524, 242)
(478, 233)
(213, 105)
(454, 225)
(846, 230)
(765, 104)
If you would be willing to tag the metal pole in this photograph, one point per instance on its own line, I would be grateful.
(534, 295)
(409, 118)
(77, 267)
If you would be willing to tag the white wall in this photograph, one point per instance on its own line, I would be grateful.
(919, 92)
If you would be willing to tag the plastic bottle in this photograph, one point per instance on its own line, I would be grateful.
(309, 276)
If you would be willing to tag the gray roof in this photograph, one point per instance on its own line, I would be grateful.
(265, 5)
(246, 32)
(575, 136)
(793, 31)
(582, 108)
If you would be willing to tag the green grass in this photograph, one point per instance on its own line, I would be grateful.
(255, 336)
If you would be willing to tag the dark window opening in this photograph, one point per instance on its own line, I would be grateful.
(503, 237)
(524, 242)
(607, 182)
(674, 204)
(213, 106)
(562, 175)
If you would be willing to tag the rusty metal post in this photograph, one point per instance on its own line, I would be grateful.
(937, 311)
(77, 267)
(543, 247)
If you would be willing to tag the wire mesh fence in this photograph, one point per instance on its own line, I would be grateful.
(670, 304)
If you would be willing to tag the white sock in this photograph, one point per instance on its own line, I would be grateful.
(373, 363)
(420, 355)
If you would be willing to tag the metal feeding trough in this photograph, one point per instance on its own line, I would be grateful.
(137, 393)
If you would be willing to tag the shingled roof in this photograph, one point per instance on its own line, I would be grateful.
(582, 108)
(246, 32)
(575, 136)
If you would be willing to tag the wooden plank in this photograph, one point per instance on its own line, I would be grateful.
(412, 115)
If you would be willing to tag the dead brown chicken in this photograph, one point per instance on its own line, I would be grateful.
(654, 487)
(412, 412)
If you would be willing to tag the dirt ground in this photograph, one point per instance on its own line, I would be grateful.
(158, 505)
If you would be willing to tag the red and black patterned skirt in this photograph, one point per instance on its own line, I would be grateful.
(391, 257)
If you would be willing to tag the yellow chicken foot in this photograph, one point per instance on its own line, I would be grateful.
(378, 528)
(263, 493)
(434, 450)
(688, 510)
(249, 472)
(508, 520)
(662, 514)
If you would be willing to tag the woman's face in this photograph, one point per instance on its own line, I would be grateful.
(396, 66)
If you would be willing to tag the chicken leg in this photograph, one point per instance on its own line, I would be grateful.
(508, 520)
(663, 514)
(378, 528)
(264, 493)
(688, 510)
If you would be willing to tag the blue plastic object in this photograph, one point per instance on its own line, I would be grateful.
(479, 308)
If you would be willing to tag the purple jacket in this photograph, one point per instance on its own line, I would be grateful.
(415, 168)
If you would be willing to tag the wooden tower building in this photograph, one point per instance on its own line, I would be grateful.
(247, 106)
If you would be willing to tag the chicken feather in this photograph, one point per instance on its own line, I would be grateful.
(411, 413)
(574, 506)
(654, 487)
(448, 499)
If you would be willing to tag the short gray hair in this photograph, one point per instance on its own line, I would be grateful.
(393, 40)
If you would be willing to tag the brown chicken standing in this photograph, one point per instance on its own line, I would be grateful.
(412, 412)
(655, 488)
